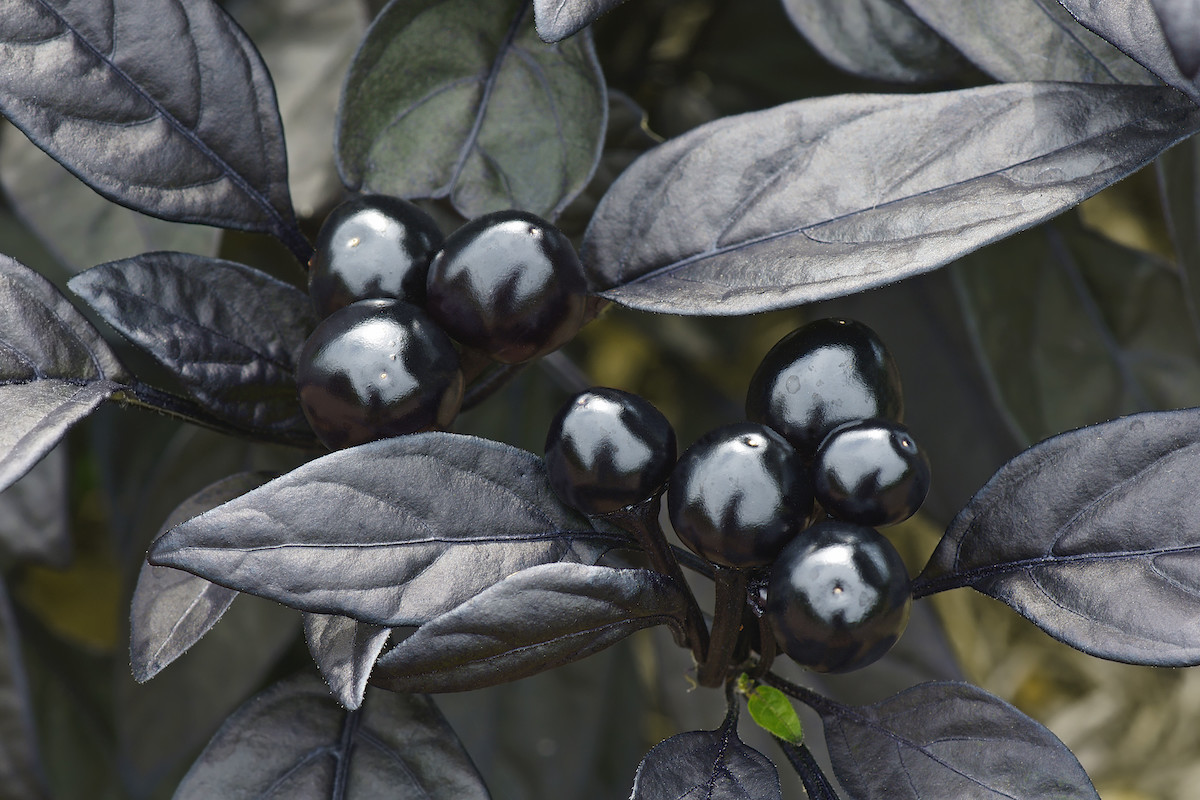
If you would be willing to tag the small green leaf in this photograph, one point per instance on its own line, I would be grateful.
(771, 709)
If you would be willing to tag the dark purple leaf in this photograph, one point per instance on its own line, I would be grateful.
(1169, 48)
(461, 99)
(230, 333)
(395, 532)
(830, 196)
(1094, 536)
(538, 619)
(35, 522)
(558, 19)
(943, 740)
(160, 105)
(706, 765)
(1027, 40)
(345, 651)
(879, 39)
(20, 764)
(55, 368)
(172, 609)
(294, 741)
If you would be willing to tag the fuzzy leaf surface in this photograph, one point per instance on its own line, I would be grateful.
(558, 19)
(160, 105)
(538, 619)
(1170, 47)
(230, 333)
(294, 741)
(879, 39)
(944, 739)
(1093, 536)
(831, 196)
(395, 532)
(706, 765)
(461, 99)
(345, 651)
(1028, 40)
(55, 368)
(172, 609)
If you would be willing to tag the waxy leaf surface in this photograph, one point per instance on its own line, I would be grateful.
(230, 333)
(1092, 535)
(294, 741)
(172, 609)
(160, 105)
(538, 619)
(940, 740)
(345, 651)
(831, 196)
(55, 368)
(395, 532)
(35, 522)
(706, 765)
(879, 39)
(558, 19)
(461, 99)
(1169, 47)
(1028, 40)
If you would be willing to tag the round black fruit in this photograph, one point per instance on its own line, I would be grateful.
(738, 495)
(377, 368)
(838, 597)
(608, 449)
(508, 284)
(372, 246)
(871, 472)
(821, 375)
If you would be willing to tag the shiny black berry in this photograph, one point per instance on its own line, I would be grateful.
(608, 449)
(377, 368)
(738, 495)
(838, 597)
(871, 472)
(372, 246)
(508, 284)
(821, 375)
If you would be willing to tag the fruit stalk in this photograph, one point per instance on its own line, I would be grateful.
(728, 606)
(815, 783)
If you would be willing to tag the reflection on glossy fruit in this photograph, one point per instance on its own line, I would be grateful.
(871, 472)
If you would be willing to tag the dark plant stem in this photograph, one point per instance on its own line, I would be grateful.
(766, 648)
(341, 775)
(817, 702)
(642, 522)
(294, 240)
(728, 606)
(490, 383)
(695, 563)
(815, 783)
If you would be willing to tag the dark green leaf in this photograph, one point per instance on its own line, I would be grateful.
(879, 39)
(159, 105)
(230, 333)
(1164, 47)
(706, 765)
(538, 619)
(20, 768)
(941, 740)
(831, 196)
(460, 99)
(1092, 535)
(172, 609)
(293, 741)
(35, 513)
(1027, 40)
(345, 651)
(558, 19)
(395, 532)
(79, 226)
(1076, 329)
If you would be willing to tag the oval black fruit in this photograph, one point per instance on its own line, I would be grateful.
(838, 597)
(821, 375)
(607, 449)
(372, 246)
(738, 495)
(377, 368)
(871, 472)
(508, 284)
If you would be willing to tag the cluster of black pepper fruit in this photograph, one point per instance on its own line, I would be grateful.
(824, 408)
(392, 293)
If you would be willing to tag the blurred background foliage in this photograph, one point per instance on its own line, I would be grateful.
(1088, 317)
